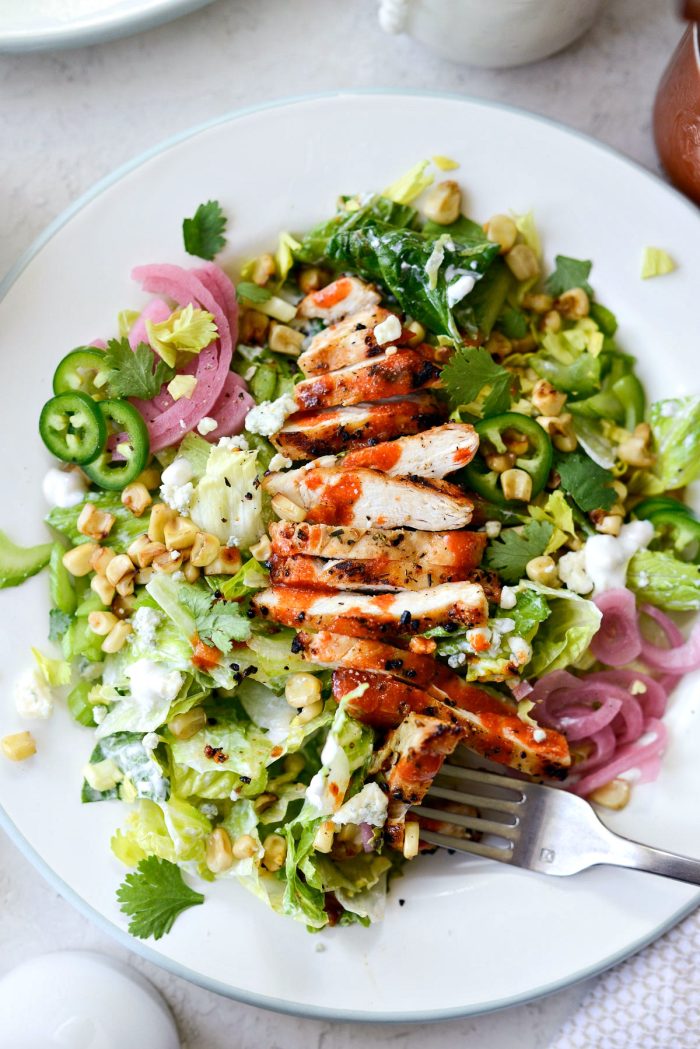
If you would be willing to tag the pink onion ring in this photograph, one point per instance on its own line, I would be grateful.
(618, 640)
(653, 701)
(639, 755)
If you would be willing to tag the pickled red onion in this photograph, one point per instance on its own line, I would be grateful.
(645, 757)
(618, 640)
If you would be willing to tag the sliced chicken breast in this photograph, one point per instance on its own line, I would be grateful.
(353, 653)
(344, 343)
(432, 453)
(344, 296)
(362, 615)
(353, 574)
(326, 431)
(413, 755)
(368, 499)
(458, 549)
(390, 375)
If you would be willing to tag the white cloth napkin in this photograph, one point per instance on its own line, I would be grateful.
(651, 1001)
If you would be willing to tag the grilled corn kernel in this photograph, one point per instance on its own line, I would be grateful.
(283, 339)
(116, 638)
(307, 714)
(543, 570)
(101, 558)
(574, 304)
(264, 269)
(538, 302)
(77, 560)
(411, 839)
(119, 567)
(613, 795)
(180, 533)
(498, 344)
(287, 510)
(522, 262)
(516, 484)
(125, 586)
(103, 588)
(143, 551)
(19, 746)
(150, 477)
(102, 622)
(312, 278)
(262, 550)
(144, 575)
(253, 327)
(169, 562)
(515, 441)
(323, 840)
(191, 572)
(444, 203)
(499, 462)
(219, 854)
(561, 430)
(136, 498)
(274, 852)
(417, 333)
(227, 563)
(301, 690)
(546, 399)
(501, 230)
(264, 801)
(205, 549)
(160, 515)
(94, 523)
(185, 726)
(609, 524)
(245, 847)
(551, 321)
(123, 607)
(636, 450)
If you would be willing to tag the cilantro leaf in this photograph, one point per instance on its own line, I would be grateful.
(131, 373)
(203, 233)
(218, 622)
(589, 485)
(569, 273)
(58, 624)
(468, 371)
(153, 896)
(509, 554)
(513, 323)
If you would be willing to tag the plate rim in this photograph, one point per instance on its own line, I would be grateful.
(64, 37)
(17, 838)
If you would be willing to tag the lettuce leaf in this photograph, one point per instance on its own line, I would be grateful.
(143, 777)
(565, 635)
(124, 530)
(675, 424)
(664, 581)
(173, 830)
(227, 501)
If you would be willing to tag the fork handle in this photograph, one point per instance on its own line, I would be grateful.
(657, 861)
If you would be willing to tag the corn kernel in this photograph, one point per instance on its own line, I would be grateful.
(274, 852)
(104, 589)
(262, 550)
(101, 558)
(18, 746)
(301, 690)
(517, 484)
(613, 795)
(101, 622)
(136, 498)
(283, 339)
(160, 514)
(245, 847)
(546, 399)
(312, 278)
(191, 572)
(94, 523)
(227, 563)
(574, 304)
(119, 567)
(219, 854)
(169, 562)
(444, 203)
(411, 839)
(185, 726)
(264, 269)
(287, 510)
(543, 570)
(116, 638)
(323, 840)
(205, 549)
(77, 560)
(179, 533)
(522, 262)
(501, 230)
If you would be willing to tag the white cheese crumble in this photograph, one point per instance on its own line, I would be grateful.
(99, 713)
(269, 417)
(508, 597)
(152, 684)
(176, 487)
(145, 622)
(493, 529)
(32, 695)
(388, 330)
(327, 788)
(457, 660)
(206, 425)
(209, 810)
(608, 556)
(520, 650)
(572, 572)
(64, 488)
(539, 735)
(279, 462)
(238, 443)
(368, 806)
(479, 638)
(150, 741)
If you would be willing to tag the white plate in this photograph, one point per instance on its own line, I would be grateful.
(472, 935)
(40, 25)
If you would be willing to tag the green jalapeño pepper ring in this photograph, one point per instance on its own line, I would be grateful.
(516, 435)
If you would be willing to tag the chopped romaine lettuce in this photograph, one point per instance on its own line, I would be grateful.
(173, 830)
(411, 185)
(656, 263)
(676, 427)
(141, 775)
(565, 635)
(227, 501)
(664, 581)
(123, 532)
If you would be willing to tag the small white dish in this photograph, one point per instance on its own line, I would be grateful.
(44, 25)
(491, 33)
(471, 935)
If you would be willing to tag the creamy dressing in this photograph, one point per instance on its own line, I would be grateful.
(64, 488)
(32, 695)
(152, 684)
(607, 556)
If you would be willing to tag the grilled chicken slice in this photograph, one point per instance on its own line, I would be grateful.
(433, 453)
(460, 550)
(326, 431)
(361, 615)
(413, 755)
(353, 574)
(490, 723)
(354, 653)
(344, 296)
(368, 499)
(390, 375)
(344, 343)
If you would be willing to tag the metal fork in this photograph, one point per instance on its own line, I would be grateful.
(536, 827)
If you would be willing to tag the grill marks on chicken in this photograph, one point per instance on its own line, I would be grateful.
(413, 755)
(327, 431)
(344, 343)
(381, 574)
(362, 615)
(389, 375)
(368, 499)
(460, 550)
(433, 453)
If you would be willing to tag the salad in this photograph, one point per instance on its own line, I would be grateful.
(396, 491)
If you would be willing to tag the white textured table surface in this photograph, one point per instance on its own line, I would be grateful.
(69, 118)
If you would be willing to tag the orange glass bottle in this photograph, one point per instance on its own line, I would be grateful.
(677, 109)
